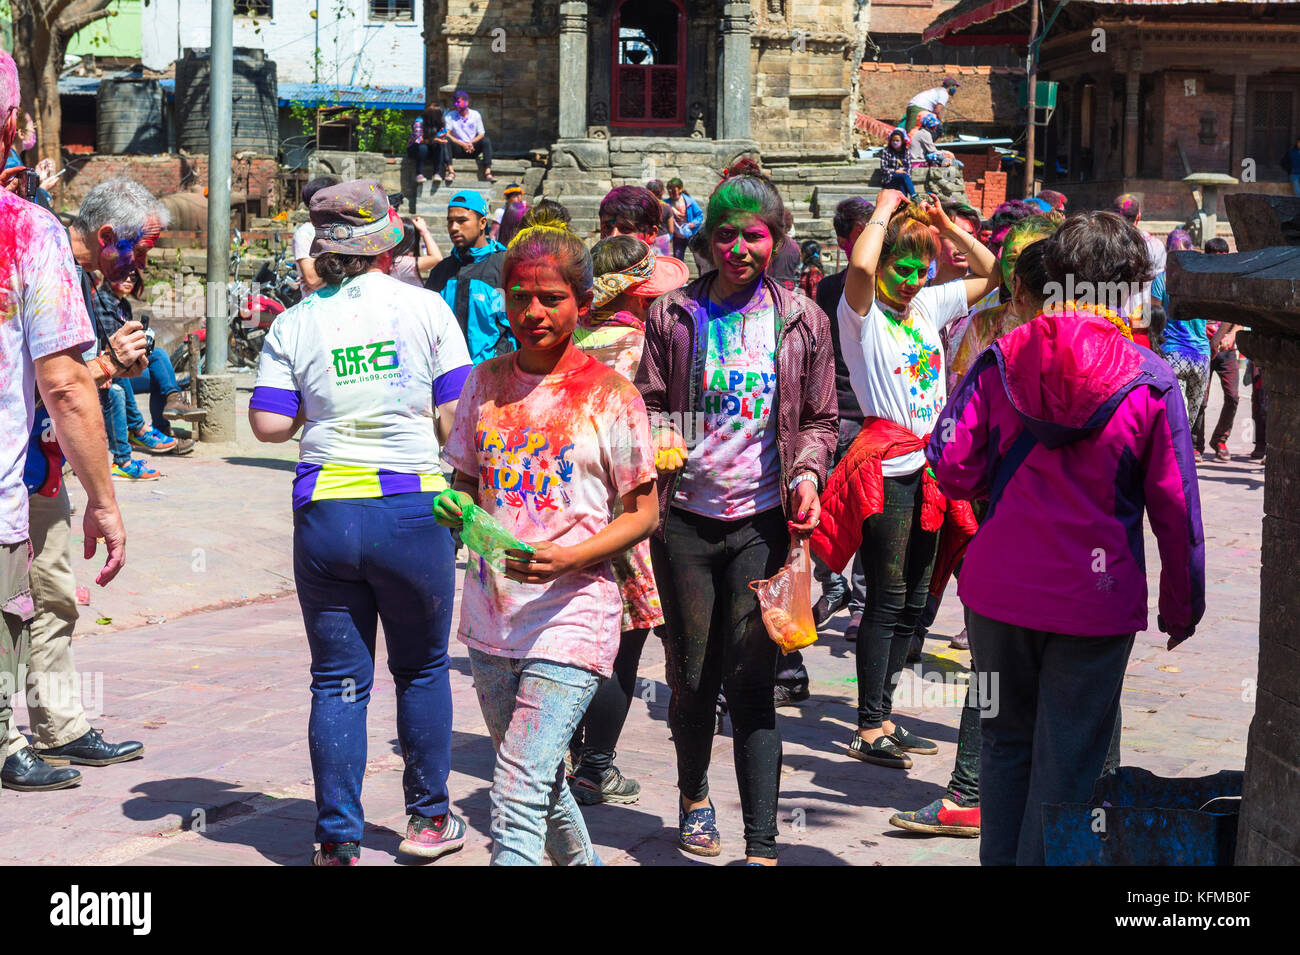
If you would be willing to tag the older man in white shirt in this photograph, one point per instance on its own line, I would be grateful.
(466, 137)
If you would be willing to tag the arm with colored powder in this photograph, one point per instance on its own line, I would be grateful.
(983, 263)
(959, 444)
(818, 424)
(652, 381)
(639, 519)
(864, 260)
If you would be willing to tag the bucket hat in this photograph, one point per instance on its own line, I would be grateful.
(354, 218)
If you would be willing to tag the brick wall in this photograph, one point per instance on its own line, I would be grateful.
(166, 174)
(986, 94)
(1189, 110)
(987, 191)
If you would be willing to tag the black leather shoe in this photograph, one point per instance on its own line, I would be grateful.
(26, 772)
(783, 695)
(91, 750)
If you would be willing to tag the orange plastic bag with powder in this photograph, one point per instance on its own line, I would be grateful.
(785, 601)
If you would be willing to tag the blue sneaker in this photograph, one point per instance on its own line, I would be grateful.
(135, 470)
(153, 441)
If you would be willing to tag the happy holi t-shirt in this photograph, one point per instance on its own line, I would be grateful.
(735, 469)
(42, 312)
(552, 454)
(897, 368)
(367, 362)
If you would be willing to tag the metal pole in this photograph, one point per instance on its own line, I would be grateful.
(315, 60)
(221, 61)
(1033, 96)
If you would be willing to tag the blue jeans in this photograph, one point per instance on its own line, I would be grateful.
(121, 419)
(900, 181)
(158, 381)
(1295, 183)
(353, 565)
(531, 708)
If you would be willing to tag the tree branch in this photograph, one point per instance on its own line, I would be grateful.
(69, 26)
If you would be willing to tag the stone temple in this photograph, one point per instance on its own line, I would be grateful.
(621, 91)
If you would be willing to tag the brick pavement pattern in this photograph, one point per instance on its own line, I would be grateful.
(220, 699)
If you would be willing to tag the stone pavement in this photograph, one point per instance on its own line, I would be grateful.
(220, 700)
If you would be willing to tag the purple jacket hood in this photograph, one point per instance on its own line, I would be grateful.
(1066, 374)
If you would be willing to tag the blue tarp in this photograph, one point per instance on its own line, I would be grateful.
(374, 97)
(312, 94)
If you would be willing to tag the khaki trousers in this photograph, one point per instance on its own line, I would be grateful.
(15, 593)
(53, 688)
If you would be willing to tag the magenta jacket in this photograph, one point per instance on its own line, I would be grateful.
(1071, 432)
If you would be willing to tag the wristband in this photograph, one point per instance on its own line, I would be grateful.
(800, 478)
(883, 225)
(103, 366)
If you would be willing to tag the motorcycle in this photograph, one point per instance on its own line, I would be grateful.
(251, 307)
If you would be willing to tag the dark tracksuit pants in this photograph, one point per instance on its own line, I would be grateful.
(1053, 703)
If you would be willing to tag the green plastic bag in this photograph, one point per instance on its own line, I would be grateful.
(487, 538)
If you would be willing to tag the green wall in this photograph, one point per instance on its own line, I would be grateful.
(117, 34)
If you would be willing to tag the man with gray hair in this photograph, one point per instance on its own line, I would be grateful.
(41, 341)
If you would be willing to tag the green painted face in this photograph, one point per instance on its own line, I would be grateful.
(1011, 252)
(902, 278)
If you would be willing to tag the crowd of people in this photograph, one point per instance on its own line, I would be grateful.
(648, 445)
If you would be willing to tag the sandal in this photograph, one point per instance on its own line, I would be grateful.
(449, 175)
(697, 831)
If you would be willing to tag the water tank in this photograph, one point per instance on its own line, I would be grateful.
(255, 124)
(130, 117)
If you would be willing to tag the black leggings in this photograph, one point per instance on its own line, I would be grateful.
(597, 734)
(716, 640)
(897, 557)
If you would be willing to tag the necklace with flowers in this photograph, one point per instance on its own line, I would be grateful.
(1075, 307)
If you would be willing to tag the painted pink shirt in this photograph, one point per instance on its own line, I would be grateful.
(552, 454)
(41, 312)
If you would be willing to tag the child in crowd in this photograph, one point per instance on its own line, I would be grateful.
(628, 276)
(752, 364)
(895, 165)
(409, 265)
(546, 440)
(881, 499)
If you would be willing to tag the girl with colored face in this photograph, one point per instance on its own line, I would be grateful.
(901, 278)
(545, 441)
(742, 247)
(741, 369)
(889, 319)
(543, 310)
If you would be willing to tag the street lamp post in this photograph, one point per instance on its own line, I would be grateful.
(216, 391)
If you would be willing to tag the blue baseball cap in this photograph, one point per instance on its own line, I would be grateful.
(469, 199)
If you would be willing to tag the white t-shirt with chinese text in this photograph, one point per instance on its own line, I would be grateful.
(367, 363)
(552, 454)
(42, 312)
(897, 368)
(735, 469)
